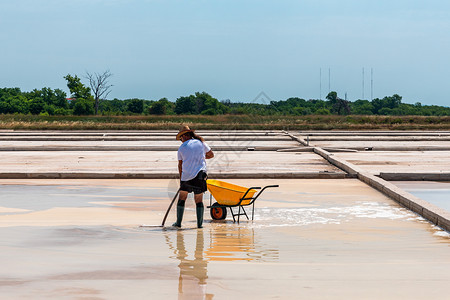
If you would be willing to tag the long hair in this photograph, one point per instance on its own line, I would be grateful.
(196, 136)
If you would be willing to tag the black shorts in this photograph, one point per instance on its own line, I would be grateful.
(196, 185)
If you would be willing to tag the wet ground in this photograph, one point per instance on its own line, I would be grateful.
(311, 239)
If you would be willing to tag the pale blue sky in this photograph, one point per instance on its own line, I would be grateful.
(231, 49)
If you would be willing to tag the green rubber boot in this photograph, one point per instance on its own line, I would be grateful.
(180, 212)
(200, 209)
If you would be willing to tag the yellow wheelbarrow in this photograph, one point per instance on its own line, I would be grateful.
(230, 195)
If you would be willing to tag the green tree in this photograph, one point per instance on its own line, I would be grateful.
(301, 111)
(362, 107)
(60, 99)
(77, 89)
(37, 105)
(112, 106)
(332, 98)
(158, 108)
(212, 106)
(322, 111)
(135, 106)
(84, 102)
(56, 98)
(200, 103)
(12, 100)
(83, 107)
(185, 105)
(61, 111)
(315, 104)
(385, 111)
(19, 104)
(390, 102)
(50, 109)
(161, 107)
(394, 101)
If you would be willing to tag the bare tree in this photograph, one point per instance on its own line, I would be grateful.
(99, 85)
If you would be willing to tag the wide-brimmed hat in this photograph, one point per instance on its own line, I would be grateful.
(183, 129)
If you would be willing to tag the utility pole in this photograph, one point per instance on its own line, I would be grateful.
(362, 84)
(329, 80)
(371, 84)
(320, 83)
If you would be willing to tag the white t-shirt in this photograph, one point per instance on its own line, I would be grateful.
(192, 153)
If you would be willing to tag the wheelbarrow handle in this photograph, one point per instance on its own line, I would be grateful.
(266, 187)
(249, 189)
(254, 188)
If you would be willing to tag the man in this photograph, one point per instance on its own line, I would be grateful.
(192, 168)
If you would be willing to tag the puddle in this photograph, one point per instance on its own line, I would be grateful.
(437, 193)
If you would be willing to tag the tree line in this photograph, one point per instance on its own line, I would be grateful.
(86, 100)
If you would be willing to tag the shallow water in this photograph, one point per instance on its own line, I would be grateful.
(437, 193)
(311, 239)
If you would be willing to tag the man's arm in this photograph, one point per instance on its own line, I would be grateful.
(180, 167)
(209, 154)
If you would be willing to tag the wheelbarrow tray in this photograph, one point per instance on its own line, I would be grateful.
(229, 194)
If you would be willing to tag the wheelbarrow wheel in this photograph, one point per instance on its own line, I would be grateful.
(218, 212)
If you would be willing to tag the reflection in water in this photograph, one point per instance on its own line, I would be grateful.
(231, 243)
(193, 272)
(226, 243)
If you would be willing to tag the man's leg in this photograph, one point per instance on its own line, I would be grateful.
(180, 208)
(199, 209)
